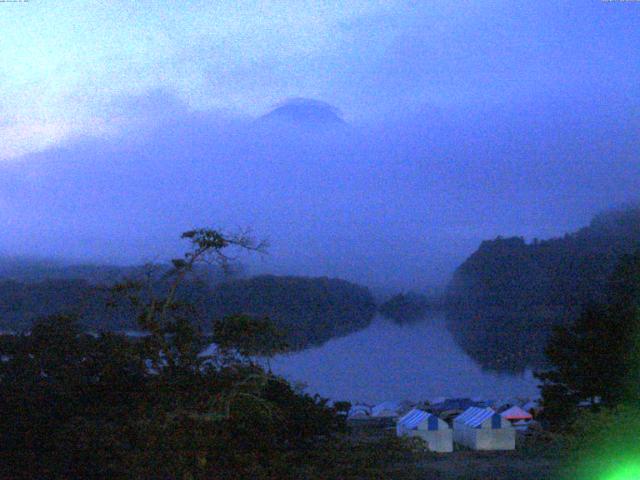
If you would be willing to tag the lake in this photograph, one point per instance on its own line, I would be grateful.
(387, 361)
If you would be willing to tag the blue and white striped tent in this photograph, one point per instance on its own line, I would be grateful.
(416, 418)
(476, 417)
(433, 430)
(483, 429)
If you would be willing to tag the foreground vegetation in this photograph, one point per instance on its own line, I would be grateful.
(469, 465)
(78, 405)
(82, 406)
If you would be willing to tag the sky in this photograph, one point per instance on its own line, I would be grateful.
(124, 123)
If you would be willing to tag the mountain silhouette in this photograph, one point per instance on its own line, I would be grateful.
(304, 112)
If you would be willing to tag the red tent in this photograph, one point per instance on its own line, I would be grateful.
(516, 413)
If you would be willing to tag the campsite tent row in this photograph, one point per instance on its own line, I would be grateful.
(476, 428)
(447, 409)
(382, 410)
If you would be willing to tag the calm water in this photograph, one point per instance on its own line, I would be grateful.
(391, 362)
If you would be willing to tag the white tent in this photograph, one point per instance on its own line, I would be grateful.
(483, 429)
(359, 411)
(386, 409)
(434, 431)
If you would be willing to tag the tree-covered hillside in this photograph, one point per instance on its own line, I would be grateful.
(30, 289)
(309, 311)
(30, 270)
(408, 307)
(505, 299)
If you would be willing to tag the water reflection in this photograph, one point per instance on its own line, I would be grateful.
(388, 361)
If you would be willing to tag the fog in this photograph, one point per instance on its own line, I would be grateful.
(375, 141)
(397, 203)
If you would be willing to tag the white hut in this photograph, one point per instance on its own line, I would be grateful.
(359, 411)
(386, 409)
(434, 431)
(483, 429)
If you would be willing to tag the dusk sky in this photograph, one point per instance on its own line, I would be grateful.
(124, 123)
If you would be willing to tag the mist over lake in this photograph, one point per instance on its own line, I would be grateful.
(387, 361)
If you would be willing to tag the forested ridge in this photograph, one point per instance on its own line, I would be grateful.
(408, 307)
(505, 299)
(309, 311)
(24, 269)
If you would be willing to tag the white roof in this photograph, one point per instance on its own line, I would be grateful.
(359, 409)
(391, 406)
(209, 351)
(474, 416)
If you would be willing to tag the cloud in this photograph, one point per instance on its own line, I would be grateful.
(60, 74)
